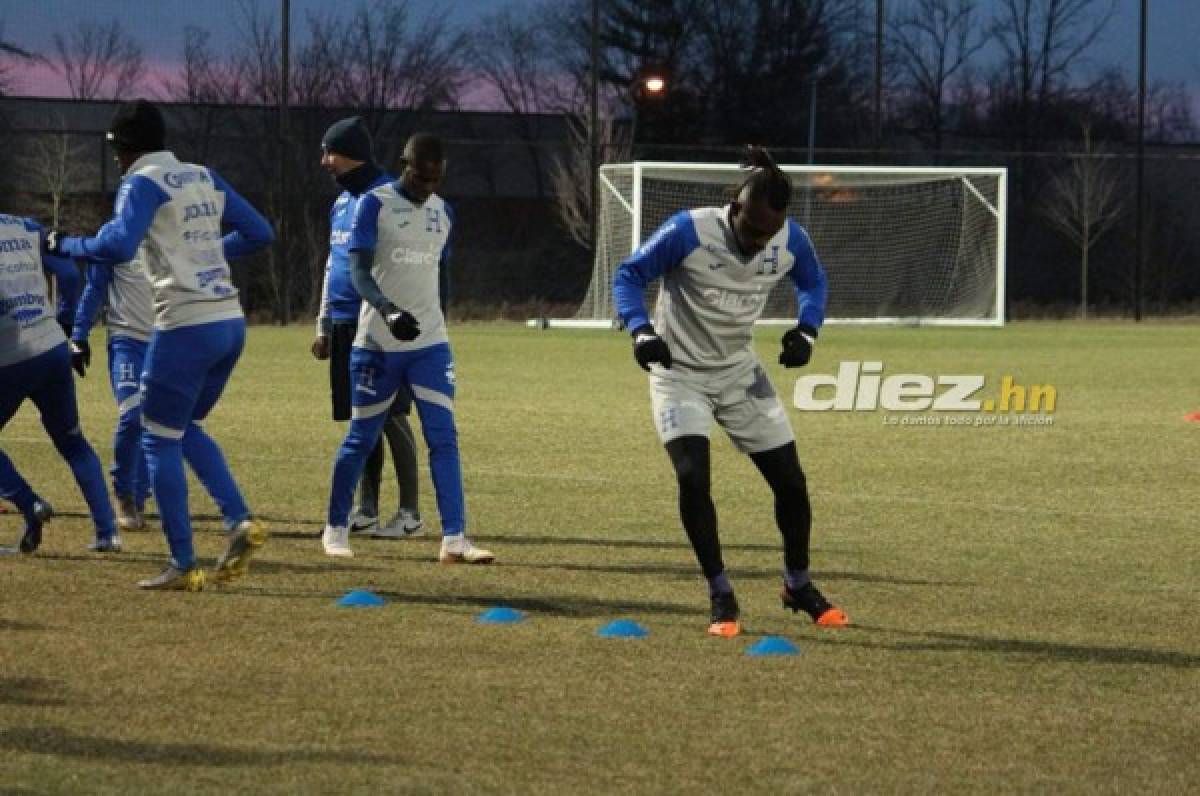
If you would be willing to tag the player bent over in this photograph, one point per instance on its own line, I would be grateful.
(399, 238)
(174, 212)
(718, 265)
(35, 364)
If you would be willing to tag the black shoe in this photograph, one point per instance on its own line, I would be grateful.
(809, 600)
(724, 616)
(39, 513)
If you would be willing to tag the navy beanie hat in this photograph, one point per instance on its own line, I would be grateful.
(349, 137)
(138, 127)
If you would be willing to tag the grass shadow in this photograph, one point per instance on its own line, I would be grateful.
(262, 566)
(571, 607)
(17, 624)
(31, 692)
(1047, 651)
(735, 573)
(638, 544)
(59, 742)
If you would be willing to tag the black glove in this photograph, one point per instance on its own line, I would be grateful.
(649, 348)
(401, 323)
(81, 356)
(52, 243)
(797, 346)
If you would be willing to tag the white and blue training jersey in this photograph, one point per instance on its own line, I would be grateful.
(28, 326)
(174, 211)
(410, 241)
(126, 295)
(711, 294)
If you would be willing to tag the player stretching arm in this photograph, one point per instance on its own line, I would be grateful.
(178, 210)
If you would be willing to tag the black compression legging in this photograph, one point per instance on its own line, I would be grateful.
(689, 455)
(781, 469)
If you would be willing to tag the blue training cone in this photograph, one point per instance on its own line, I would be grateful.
(361, 598)
(772, 645)
(622, 628)
(500, 615)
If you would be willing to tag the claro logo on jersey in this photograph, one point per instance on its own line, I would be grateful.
(404, 256)
(339, 237)
(863, 387)
(729, 300)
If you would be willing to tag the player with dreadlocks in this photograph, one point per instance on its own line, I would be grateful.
(718, 265)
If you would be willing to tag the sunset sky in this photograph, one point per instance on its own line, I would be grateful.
(158, 26)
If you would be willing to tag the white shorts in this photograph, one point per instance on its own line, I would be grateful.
(742, 402)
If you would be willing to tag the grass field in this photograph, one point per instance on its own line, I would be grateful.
(1025, 599)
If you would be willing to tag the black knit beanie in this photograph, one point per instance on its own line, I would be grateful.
(349, 137)
(138, 127)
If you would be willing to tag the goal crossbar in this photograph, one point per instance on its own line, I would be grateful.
(921, 246)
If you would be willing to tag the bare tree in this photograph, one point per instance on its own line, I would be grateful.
(571, 179)
(389, 60)
(1083, 201)
(512, 55)
(1042, 40)
(10, 53)
(54, 163)
(202, 77)
(935, 40)
(1168, 106)
(98, 61)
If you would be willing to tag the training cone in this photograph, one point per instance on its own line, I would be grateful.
(622, 628)
(361, 598)
(1192, 417)
(500, 615)
(772, 645)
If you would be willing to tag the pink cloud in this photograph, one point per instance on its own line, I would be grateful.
(40, 79)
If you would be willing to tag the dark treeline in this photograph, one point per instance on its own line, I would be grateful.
(1014, 83)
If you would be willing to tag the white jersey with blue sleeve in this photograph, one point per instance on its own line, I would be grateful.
(409, 241)
(173, 211)
(125, 293)
(28, 326)
(711, 294)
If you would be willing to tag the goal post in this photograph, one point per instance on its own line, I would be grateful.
(921, 246)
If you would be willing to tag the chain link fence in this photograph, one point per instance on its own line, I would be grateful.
(512, 256)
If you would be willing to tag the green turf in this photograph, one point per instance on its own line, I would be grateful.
(1025, 598)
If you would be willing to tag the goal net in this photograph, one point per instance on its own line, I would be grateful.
(899, 245)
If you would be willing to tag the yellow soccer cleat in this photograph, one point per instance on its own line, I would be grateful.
(175, 579)
(244, 541)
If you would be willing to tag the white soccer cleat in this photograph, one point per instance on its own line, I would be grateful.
(336, 541)
(405, 524)
(363, 523)
(458, 549)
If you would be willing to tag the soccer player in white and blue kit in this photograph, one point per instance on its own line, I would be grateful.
(171, 214)
(35, 364)
(124, 293)
(718, 265)
(348, 155)
(399, 238)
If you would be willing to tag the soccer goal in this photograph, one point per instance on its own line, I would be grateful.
(899, 245)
